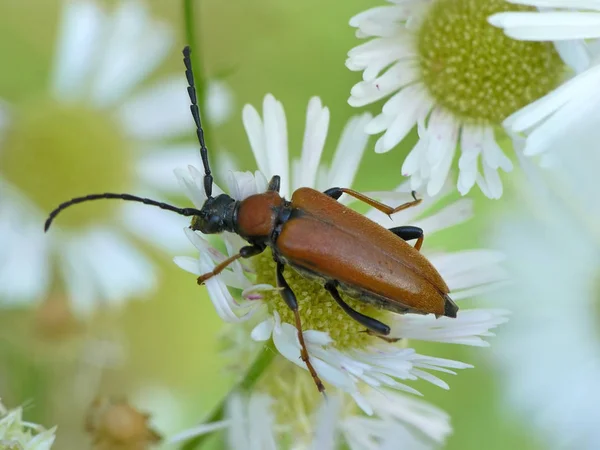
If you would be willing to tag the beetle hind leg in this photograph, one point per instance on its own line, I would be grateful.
(336, 193)
(290, 299)
(374, 326)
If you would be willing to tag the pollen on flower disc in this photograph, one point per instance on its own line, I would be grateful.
(474, 70)
(318, 310)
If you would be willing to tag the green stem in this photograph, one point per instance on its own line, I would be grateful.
(262, 361)
(195, 44)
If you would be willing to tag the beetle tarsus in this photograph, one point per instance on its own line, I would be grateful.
(385, 338)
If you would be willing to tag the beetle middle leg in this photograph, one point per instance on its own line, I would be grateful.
(408, 233)
(374, 326)
(337, 192)
(245, 252)
(290, 299)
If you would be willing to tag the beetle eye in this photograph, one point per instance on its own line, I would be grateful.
(213, 225)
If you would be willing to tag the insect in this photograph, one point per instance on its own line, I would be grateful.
(321, 239)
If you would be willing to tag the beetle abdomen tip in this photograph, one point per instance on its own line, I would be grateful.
(450, 308)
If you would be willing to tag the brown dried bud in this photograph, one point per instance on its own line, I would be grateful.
(54, 318)
(116, 425)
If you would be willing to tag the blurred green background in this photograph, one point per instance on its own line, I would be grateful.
(294, 50)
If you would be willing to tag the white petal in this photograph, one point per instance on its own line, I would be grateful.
(219, 102)
(120, 270)
(159, 112)
(276, 141)
(315, 133)
(560, 122)
(399, 75)
(407, 105)
(548, 25)
(535, 112)
(136, 45)
(25, 258)
(155, 168)
(348, 153)
(155, 226)
(81, 28)
(188, 264)
(256, 136)
(263, 330)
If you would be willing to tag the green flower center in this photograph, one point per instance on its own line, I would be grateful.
(474, 70)
(318, 310)
(53, 152)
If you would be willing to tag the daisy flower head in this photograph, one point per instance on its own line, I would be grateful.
(551, 344)
(343, 355)
(94, 129)
(17, 434)
(255, 421)
(574, 27)
(455, 77)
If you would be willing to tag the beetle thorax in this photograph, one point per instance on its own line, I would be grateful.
(258, 215)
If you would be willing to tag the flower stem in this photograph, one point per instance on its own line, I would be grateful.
(262, 361)
(197, 64)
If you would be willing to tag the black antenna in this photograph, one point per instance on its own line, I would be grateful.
(189, 74)
(128, 197)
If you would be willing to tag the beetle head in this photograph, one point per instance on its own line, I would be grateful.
(215, 216)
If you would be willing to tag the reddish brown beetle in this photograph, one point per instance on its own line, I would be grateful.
(319, 238)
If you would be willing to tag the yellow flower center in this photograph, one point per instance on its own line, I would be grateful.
(53, 152)
(318, 310)
(474, 70)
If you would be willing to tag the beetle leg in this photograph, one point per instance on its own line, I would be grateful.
(274, 183)
(409, 233)
(373, 326)
(337, 192)
(290, 299)
(245, 252)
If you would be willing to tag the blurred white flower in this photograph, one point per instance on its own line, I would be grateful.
(548, 355)
(399, 422)
(454, 76)
(555, 114)
(97, 129)
(341, 353)
(17, 434)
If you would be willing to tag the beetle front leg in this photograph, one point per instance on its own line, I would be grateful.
(337, 192)
(245, 252)
(374, 326)
(290, 299)
(409, 233)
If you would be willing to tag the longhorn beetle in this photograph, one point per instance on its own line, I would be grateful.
(319, 238)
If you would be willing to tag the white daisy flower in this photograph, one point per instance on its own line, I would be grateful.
(252, 422)
(555, 114)
(548, 357)
(342, 354)
(446, 70)
(19, 434)
(96, 131)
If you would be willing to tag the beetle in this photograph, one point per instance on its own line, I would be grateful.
(319, 238)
